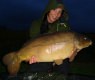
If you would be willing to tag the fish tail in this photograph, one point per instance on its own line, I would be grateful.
(12, 62)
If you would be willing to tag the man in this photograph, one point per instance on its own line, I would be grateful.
(55, 19)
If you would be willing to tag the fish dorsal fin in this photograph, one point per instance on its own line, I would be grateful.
(58, 62)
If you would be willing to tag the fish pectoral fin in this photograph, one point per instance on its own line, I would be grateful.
(58, 62)
(72, 57)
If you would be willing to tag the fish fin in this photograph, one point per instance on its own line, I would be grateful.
(13, 68)
(58, 62)
(8, 58)
(12, 63)
(72, 57)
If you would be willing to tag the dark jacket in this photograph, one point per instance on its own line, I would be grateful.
(42, 26)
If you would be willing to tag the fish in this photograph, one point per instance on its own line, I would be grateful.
(52, 47)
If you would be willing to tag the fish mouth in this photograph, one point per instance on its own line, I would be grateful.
(84, 45)
(91, 42)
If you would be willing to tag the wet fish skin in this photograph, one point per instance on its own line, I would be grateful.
(53, 47)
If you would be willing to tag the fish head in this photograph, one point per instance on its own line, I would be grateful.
(82, 41)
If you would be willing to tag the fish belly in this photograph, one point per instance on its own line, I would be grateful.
(55, 52)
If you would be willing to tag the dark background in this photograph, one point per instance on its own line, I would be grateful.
(16, 17)
(18, 14)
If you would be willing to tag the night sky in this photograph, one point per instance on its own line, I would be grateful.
(19, 14)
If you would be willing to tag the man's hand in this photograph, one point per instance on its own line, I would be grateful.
(32, 60)
(54, 15)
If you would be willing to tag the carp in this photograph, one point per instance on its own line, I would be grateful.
(53, 47)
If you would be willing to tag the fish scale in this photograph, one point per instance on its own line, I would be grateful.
(53, 47)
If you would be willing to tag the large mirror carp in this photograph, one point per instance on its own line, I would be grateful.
(54, 47)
